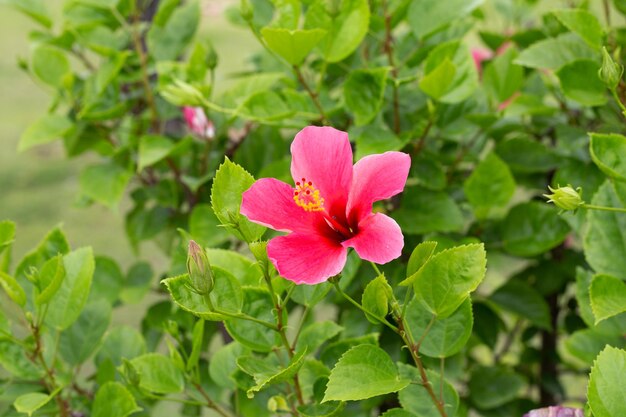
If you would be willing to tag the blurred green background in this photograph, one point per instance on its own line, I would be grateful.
(39, 188)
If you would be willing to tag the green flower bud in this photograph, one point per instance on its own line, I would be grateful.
(199, 269)
(610, 72)
(211, 57)
(245, 8)
(566, 198)
(181, 93)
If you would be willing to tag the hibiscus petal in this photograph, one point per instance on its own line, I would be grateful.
(379, 239)
(376, 177)
(270, 202)
(306, 258)
(323, 156)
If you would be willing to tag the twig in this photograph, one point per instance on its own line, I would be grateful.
(388, 48)
(311, 93)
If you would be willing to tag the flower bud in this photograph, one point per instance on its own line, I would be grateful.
(556, 411)
(610, 72)
(181, 93)
(199, 269)
(198, 123)
(245, 8)
(211, 57)
(565, 198)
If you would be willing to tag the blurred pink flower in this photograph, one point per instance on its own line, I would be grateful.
(479, 55)
(330, 208)
(198, 123)
(556, 411)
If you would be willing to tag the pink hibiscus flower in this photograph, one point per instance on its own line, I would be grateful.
(556, 411)
(330, 208)
(198, 123)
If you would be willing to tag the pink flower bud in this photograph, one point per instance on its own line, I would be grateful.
(479, 55)
(198, 123)
(556, 411)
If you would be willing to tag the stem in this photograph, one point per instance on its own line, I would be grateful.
(280, 328)
(618, 101)
(311, 93)
(388, 48)
(145, 78)
(414, 349)
(607, 13)
(603, 208)
(210, 403)
(508, 342)
(419, 145)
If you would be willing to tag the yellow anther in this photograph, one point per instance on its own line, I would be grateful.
(307, 196)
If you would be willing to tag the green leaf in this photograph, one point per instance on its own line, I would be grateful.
(292, 45)
(81, 339)
(13, 289)
(31, 402)
(45, 130)
(113, 399)
(428, 16)
(553, 53)
(502, 77)
(490, 186)
(363, 92)
(50, 65)
(397, 412)
(362, 372)
(223, 364)
(313, 335)
(36, 9)
(523, 154)
(104, 183)
(169, 35)
(445, 337)
(244, 269)
(420, 255)
(583, 23)
(107, 280)
(230, 182)
(14, 360)
(376, 297)
(257, 302)
(373, 139)
(523, 300)
(447, 279)
(608, 296)
(196, 345)
(607, 380)
(158, 373)
(463, 81)
(424, 211)
(226, 295)
(491, 387)
(265, 375)
(346, 24)
(137, 283)
(330, 409)
(152, 149)
(51, 245)
(533, 228)
(205, 228)
(310, 295)
(50, 279)
(67, 304)
(416, 399)
(586, 344)
(607, 151)
(437, 82)
(604, 239)
(265, 106)
(580, 82)
(122, 342)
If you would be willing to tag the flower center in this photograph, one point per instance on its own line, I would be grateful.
(307, 196)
